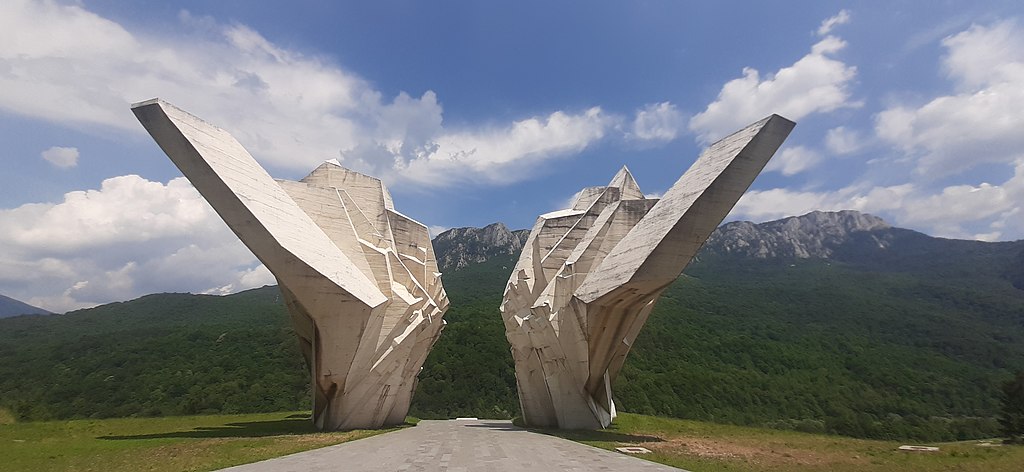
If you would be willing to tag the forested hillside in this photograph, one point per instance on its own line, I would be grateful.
(164, 354)
(863, 330)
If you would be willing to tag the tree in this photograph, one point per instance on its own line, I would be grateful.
(1012, 417)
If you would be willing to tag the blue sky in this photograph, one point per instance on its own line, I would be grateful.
(474, 112)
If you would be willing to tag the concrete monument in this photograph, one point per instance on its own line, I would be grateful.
(359, 279)
(589, 275)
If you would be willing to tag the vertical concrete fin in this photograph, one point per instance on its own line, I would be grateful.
(658, 248)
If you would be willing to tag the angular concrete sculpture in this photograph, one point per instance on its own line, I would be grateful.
(359, 279)
(589, 275)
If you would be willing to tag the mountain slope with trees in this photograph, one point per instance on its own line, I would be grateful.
(832, 322)
(11, 307)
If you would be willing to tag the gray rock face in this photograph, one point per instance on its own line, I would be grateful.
(814, 235)
(460, 247)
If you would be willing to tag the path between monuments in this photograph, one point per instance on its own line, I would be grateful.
(456, 445)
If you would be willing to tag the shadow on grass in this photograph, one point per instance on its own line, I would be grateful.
(600, 435)
(604, 435)
(251, 429)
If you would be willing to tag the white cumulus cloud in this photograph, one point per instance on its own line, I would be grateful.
(816, 83)
(827, 25)
(658, 122)
(290, 109)
(841, 140)
(128, 238)
(793, 160)
(63, 157)
(499, 155)
(980, 123)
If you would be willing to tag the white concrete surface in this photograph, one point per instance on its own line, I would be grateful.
(359, 279)
(588, 276)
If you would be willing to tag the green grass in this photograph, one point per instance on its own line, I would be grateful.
(710, 447)
(184, 443)
(194, 443)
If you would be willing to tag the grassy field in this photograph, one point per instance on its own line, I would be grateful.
(194, 443)
(705, 447)
(191, 443)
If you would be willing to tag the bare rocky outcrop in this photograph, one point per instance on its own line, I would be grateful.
(460, 247)
(818, 234)
(814, 235)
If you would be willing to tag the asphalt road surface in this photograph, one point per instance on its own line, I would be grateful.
(457, 445)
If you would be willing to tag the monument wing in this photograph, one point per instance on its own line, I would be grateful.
(588, 276)
(359, 279)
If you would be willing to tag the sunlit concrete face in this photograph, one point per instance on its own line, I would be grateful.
(359, 279)
(589, 275)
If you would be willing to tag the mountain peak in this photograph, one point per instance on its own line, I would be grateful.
(496, 228)
(814, 235)
(460, 247)
(849, 220)
(817, 234)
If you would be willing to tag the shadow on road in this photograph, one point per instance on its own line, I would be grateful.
(499, 426)
(574, 435)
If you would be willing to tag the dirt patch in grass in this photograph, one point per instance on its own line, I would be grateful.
(6, 417)
(768, 455)
(710, 447)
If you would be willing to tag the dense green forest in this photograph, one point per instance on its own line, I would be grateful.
(823, 347)
(890, 349)
(165, 354)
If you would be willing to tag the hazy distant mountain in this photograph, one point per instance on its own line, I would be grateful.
(12, 307)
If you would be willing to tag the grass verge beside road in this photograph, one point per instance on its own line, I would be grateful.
(184, 443)
(707, 447)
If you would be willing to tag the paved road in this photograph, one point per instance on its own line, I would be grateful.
(456, 445)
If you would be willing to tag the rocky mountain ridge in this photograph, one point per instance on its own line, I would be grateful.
(815, 235)
(460, 247)
(847, 236)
